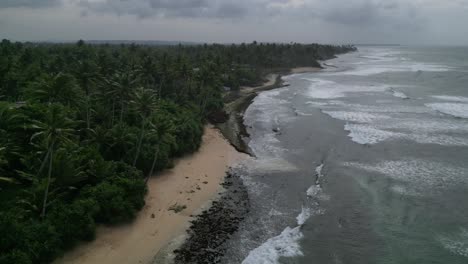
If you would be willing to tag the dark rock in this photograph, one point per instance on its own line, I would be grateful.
(209, 232)
(218, 117)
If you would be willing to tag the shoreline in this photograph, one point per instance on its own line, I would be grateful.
(193, 183)
(204, 242)
(159, 235)
(238, 102)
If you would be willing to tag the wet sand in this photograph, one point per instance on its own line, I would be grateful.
(305, 69)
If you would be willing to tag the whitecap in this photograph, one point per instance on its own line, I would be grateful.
(365, 134)
(453, 109)
(451, 98)
(399, 94)
(358, 117)
(305, 214)
(324, 89)
(422, 173)
(457, 244)
(284, 245)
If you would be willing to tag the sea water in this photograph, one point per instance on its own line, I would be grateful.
(363, 163)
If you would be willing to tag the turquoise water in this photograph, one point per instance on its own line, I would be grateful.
(365, 162)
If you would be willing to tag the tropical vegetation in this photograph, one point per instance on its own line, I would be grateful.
(82, 127)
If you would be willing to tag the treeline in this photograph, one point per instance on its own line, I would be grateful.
(83, 126)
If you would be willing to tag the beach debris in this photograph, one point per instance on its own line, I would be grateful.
(177, 208)
(153, 216)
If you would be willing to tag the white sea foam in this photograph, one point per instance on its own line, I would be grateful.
(422, 173)
(453, 109)
(316, 190)
(284, 245)
(451, 98)
(359, 117)
(444, 140)
(287, 243)
(365, 134)
(318, 171)
(324, 89)
(423, 125)
(457, 244)
(387, 108)
(305, 214)
(373, 69)
(399, 94)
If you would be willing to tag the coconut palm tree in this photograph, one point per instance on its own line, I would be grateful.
(56, 128)
(144, 103)
(163, 133)
(86, 73)
(121, 85)
(58, 88)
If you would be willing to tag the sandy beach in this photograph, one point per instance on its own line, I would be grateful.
(193, 182)
(305, 69)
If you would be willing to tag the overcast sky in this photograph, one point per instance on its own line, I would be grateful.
(326, 21)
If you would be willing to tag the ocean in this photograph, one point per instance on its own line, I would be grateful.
(363, 162)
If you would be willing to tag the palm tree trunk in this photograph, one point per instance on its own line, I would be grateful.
(87, 112)
(43, 163)
(121, 110)
(49, 177)
(139, 142)
(156, 152)
(113, 111)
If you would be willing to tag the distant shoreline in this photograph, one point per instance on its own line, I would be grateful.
(234, 129)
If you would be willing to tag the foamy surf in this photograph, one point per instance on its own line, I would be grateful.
(325, 89)
(285, 244)
(453, 109)
(365, 134)
(399, 94)
(421, 174)
(457, 244)
(451, 98)
(358, 117)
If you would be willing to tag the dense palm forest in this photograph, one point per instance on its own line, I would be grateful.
(83, 126)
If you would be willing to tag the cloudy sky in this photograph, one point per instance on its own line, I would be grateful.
(431, 22)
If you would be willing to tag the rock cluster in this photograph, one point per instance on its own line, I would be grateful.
(214, 226)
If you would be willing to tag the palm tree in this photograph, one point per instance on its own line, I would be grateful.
(3, 162)
(121, 86)
(121, 138)
(9, 121)
(144, 104)
(55, 129)
(86, 73)
(162, 132)
(59, 88)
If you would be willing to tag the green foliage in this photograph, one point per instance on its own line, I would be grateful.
(82, 126)
(120, 196)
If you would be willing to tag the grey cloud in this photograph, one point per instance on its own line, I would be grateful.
(29, 3)
(368, 14)
(355, 15)
(170, 8)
